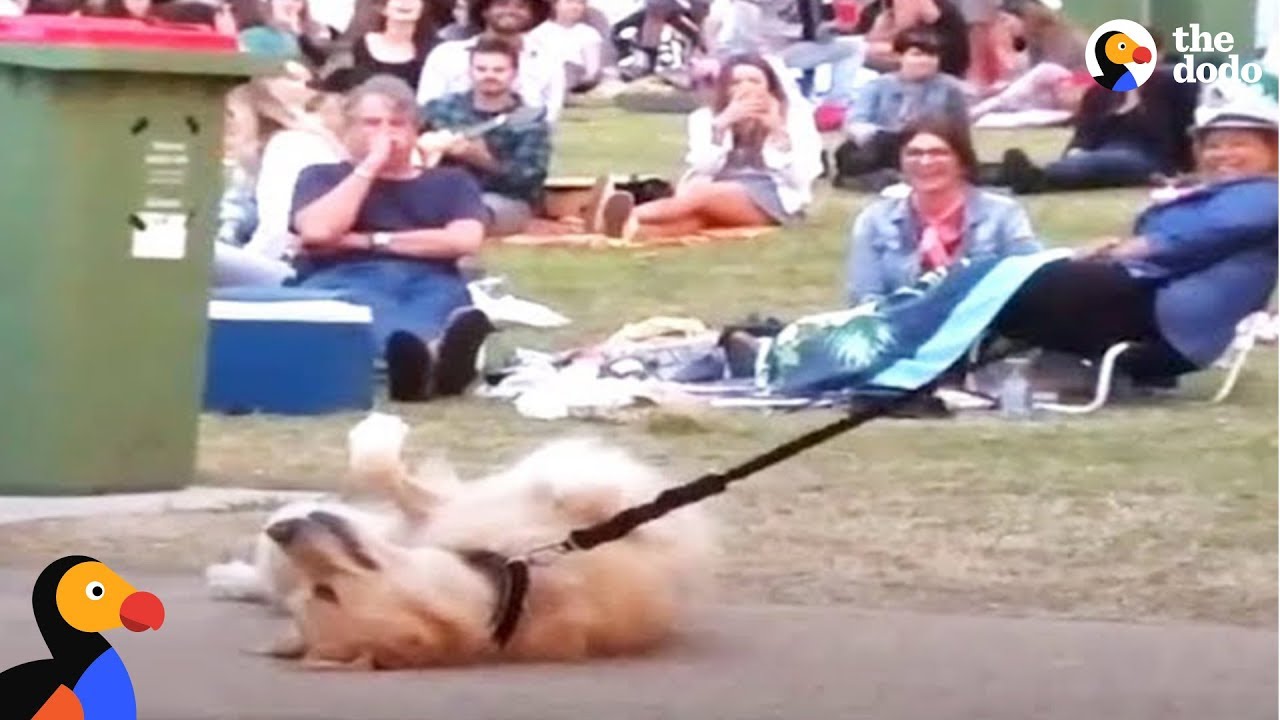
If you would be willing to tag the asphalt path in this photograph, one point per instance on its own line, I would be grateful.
(735, 663)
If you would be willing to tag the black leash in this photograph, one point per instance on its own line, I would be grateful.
(511, 592)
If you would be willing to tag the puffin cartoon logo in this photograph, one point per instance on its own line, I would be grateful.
(74, 599)
(1121, 55)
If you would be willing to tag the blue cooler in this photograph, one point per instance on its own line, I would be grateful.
(288, 351)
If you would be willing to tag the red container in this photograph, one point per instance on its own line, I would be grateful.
(123, 33)
(847, 13)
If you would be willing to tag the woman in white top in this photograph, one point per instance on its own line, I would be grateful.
(753, 157)
(581, 45)
(283, 127)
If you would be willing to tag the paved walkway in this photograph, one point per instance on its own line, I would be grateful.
(738, 663)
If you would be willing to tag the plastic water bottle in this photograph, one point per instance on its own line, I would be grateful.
(1015, 391)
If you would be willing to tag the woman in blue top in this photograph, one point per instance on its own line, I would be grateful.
(1195, 266)
(944, 218)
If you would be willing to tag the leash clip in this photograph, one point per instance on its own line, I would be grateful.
(546, 554)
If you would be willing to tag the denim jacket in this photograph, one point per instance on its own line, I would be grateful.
(880, 102)
(884, 243)
(1213, 258)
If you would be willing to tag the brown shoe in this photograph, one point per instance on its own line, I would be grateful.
(600, 191)
(615, 212)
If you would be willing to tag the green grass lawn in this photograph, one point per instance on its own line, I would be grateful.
(1164, 512)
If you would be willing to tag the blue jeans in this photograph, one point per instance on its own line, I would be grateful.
(404, 295)
(1108, 166)
(846, 56)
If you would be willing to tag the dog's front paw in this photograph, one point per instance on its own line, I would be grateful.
(374, 447)
(287, 646)
(378, 436)
(361, 663)
(235, 580)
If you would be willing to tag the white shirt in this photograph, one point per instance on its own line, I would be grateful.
(8, 8)
(287, 154)
(579, 44)
(539, 81)
(332, 13)
(793, 171)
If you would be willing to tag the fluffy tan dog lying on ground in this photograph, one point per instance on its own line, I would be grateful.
(418, 586)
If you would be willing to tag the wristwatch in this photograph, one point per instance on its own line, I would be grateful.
(380, 240)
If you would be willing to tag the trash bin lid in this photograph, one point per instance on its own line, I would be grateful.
(78, 44)
(121, 33)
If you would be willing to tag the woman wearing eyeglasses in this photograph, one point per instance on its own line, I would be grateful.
(942, 219)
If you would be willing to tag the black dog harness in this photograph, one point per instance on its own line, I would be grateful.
(510, 581)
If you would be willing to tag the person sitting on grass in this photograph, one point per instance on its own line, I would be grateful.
(581, 45)
(1121, 139)
(390, 235)
(943, 219)
(753, 157)
(509, 162)
(1194, 267)
(891, 101)
(540, 79)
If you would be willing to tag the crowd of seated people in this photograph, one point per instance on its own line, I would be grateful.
(361, 168)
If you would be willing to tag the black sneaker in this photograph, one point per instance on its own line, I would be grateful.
(408, 367)
(456, 352)
(1021, 173)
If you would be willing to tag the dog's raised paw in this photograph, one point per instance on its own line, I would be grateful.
(235, 580)
(376, 443)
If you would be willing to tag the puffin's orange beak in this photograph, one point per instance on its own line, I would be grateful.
(1142, 56)
(142, 611)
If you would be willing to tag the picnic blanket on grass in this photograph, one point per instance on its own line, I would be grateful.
(570, 233)
(902, 341)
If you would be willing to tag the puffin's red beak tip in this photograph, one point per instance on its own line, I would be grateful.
(142, 611)
(1142, 56)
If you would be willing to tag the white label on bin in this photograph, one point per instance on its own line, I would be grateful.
(166, 163)
(163, 236)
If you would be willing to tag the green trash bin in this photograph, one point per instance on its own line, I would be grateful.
(110, 181)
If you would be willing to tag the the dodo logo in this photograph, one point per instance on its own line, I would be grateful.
(1121, 55)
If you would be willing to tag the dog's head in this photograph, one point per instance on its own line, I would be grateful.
(322, 545)
(370, 599)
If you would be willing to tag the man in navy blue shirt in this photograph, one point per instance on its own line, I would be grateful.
(390, 235)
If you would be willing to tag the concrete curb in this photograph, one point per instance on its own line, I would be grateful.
(17, 509)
